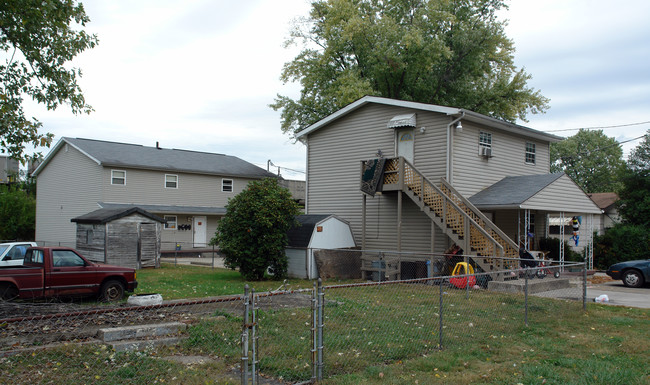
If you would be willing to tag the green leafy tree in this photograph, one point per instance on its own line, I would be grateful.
(634, 203)
(452, 53)
(38, 40)
(592, 159)
(253, 233)
(17, 214)
(623, 242)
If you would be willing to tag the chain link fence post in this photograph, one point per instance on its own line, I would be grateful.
(321, 303)
(254, 338)
(314, 333)
(584, 286)
(440, 322)
(244, 338)
(526, 296)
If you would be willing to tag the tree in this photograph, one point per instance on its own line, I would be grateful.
(253, 233)
(38, 41)
(592, 159)
(17, 214)
(452, 53)
(634, 203)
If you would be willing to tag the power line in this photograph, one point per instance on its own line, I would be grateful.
(599, 128)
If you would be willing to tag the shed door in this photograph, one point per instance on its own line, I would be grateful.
(405, 138)
(148, 245)
(200, 231)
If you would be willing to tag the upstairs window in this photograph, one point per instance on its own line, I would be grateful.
(485, 144)
(226, 185)
(485, 140)
(170, 222)
(530, 153)
(118, 177)
(171, 181)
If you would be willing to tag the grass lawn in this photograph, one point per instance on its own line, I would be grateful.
(375, 335)
(184, 281)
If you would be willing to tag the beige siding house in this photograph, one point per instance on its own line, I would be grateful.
(494, 173)
(188, 189)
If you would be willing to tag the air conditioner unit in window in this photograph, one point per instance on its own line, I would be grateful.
(485, 151)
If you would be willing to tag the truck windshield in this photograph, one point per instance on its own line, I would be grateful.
(3, 248)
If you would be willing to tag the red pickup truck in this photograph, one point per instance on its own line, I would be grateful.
(62, 272)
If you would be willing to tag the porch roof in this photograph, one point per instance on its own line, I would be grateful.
(547, 192)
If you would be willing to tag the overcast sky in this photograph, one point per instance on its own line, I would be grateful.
(200, 74)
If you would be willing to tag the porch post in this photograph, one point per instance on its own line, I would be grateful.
(562, 241)
(399, 220)
(363, 222)
(399, 203)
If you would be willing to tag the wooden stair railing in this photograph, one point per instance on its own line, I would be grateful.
(454, 214)
(510, 248)
(443, 210)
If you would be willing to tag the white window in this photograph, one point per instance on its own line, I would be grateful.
(118, 177)
(530, 153)
(485, 140)
(226, 185)
(171, 181)
(170, 222)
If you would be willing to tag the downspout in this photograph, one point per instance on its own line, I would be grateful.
(449, 172)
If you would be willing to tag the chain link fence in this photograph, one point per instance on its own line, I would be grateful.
(406, 306)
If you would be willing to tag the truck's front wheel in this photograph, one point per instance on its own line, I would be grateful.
(111, 291)
(8, 292)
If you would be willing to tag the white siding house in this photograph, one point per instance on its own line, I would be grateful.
(188, 189)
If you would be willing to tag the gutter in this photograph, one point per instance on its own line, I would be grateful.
(450, 152)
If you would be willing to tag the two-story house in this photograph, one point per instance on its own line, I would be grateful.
(189, 189)
(434, 176)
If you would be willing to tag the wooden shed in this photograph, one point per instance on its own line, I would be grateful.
(316, 231)
(128, 237)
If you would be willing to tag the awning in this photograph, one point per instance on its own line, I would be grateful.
(557, 221)
(406, 120)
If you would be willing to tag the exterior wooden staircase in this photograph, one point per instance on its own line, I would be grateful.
(454, 215)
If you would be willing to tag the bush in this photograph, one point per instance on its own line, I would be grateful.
(17, 215)
(623, 242)
(252, 235)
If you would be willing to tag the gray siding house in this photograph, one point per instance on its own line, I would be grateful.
(9, 168)
(188, 189)
(435, 161)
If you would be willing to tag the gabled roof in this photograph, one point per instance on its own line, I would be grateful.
(546, 192)
(114, 154)
(299, 236)
(513, 191)
(168, 209)
(107, 215)
(469, 116)
(604, 200)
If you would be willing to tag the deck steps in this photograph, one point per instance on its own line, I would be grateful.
(141, 337)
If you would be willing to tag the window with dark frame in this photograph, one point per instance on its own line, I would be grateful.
(171, 181)
(226, 185)
(118, 177)
(530, 153)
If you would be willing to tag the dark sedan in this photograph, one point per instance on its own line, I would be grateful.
(632, 273)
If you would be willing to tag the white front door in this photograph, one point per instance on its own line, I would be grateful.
(200, 231)
(405, 138)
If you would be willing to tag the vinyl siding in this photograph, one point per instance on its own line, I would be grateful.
(148, 187)
(68, 187)
(334, 161)
(561, 194)
(473, 173)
